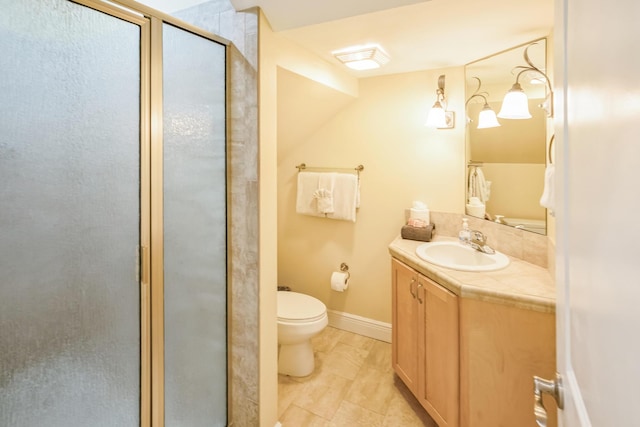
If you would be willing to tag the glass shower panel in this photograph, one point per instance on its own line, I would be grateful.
(194, 230)
(69, 216)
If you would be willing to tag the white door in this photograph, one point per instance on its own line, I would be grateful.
(597, 80)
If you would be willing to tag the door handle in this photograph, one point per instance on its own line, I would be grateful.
(418, 292)
(553, 388)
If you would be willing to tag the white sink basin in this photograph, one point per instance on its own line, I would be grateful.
(451, 254)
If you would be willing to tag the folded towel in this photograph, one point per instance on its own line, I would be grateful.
(312, 199)
(423, 234)
(306, 203)
(324, 193)
(324, 200)
(345, 197)
(547, 200)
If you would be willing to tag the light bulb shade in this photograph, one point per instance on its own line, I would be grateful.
(487, 118)
(515, 104)
(436, 117)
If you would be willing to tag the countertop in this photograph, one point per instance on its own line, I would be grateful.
(520, 284)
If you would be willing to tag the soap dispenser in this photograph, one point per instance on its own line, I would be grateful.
(464, 235)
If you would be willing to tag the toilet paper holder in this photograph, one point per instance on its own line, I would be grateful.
(345, 269)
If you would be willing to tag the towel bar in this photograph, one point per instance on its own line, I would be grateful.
(303, 166)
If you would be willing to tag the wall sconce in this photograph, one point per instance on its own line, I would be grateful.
(438, 116)
(516, 103)
(362, 57)
(487, 117)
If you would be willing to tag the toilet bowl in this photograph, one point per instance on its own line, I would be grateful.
(300, 318)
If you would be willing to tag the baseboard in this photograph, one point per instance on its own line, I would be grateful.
(360, 325)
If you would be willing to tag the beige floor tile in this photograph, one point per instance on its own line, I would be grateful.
(380, 356)
(404, 410)
(298, 417)
(323, 394)
(350, 415)
(359, 341)
(345, 360)
(372, 389)
(353, 385)
(327, 339)
(288, 390)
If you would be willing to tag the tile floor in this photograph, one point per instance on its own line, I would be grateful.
(353, 384)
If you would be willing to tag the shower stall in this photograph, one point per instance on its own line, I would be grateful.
(113, 217)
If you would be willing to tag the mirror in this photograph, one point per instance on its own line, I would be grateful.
(511, 158)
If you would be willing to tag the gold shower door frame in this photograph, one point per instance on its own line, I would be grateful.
(151, 195)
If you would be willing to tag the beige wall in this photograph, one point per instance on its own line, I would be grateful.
(515, 189)
(382, 129)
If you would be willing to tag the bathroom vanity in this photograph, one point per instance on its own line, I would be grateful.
(467, 344)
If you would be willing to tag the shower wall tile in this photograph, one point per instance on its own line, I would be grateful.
(243, 149)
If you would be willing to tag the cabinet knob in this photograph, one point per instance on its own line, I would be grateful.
(418, 292)
(541, 386)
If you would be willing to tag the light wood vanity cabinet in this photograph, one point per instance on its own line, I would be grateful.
(469, 362)
(501, 348)
(425, 352)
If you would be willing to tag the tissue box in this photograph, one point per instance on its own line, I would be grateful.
(423, 234)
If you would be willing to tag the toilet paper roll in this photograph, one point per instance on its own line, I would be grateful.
(339, 281)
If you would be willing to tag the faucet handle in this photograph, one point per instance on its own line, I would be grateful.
(478, 235)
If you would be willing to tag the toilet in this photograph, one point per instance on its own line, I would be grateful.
(300, 318)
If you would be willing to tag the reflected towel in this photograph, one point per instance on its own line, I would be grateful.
(478, 186)
(547, 200)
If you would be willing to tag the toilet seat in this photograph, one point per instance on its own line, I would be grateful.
(294, 307)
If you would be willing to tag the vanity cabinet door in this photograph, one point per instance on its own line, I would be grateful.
(405, 324)
(438, 349)
(425, 342)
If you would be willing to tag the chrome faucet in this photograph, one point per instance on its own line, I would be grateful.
(478, 241)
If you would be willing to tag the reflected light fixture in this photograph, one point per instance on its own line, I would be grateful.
(438, 116)
(360, 58)
(487, 117)
(516, 103)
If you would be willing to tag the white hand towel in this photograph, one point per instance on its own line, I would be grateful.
(324, 199)
(547, 200)
(306, 204)
(324, 193)
(345, 197)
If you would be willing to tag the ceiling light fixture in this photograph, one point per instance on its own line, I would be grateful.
(438, 116)
(516, 103)
(487, 117)
(362, 57)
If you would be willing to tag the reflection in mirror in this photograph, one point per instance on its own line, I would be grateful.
(506, 164)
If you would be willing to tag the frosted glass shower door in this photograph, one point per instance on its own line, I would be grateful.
(69, 216)
(195, 285)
